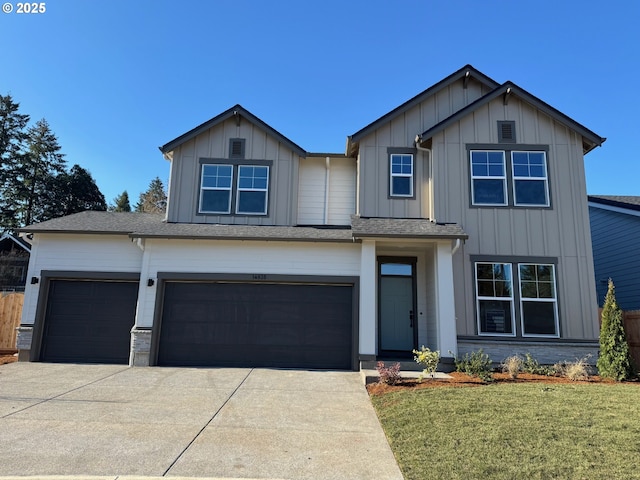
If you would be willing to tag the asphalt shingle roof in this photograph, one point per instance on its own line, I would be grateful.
(632, 202)
(404, 228)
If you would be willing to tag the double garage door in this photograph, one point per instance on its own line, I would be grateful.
(204, 324)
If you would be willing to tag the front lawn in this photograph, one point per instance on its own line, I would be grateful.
(514, 431)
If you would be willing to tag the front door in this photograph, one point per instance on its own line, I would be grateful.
(397, 305)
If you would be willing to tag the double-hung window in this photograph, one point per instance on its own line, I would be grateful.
(215, 189)
(401, 178)
(488, 178)
(534, 301)
(530, 186)
(253, 184)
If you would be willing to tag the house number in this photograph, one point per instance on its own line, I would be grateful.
(259, 276)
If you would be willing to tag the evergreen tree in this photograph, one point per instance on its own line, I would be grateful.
(121, 203)
(615, 358)
(72, 192)
(12, 149)
(154, 200)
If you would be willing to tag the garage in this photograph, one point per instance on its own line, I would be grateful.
(256, 325)
(88, 321)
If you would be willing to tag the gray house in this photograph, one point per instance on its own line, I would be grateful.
(615, 234)
(457, 221)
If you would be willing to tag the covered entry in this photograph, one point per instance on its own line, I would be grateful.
(257, 325)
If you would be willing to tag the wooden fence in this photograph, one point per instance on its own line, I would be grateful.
(632, 329)
(10, 313)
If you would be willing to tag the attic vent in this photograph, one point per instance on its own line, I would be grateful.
(236, 147)
(507, 132)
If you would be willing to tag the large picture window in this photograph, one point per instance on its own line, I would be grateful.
(401, 175)
(494, 296)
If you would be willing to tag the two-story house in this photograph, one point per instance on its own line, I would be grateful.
(457, 221)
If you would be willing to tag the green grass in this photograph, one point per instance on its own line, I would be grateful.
(517, 431)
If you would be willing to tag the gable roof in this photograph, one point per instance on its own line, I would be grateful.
(628, 202)
(238, 112)
(465, 72)
(590, 140)
(21, 242)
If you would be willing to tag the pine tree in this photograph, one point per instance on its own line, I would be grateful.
(121, 203)
(615, 358)
(154, 200)
(72, 192)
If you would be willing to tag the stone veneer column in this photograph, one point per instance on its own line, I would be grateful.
(25, 337)
(140, 347)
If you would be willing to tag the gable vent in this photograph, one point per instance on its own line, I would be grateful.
(236, 148)
(507, 132)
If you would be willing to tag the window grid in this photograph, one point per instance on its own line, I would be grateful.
(253, 184)
(401, 181)
(529, 169)
(497, 279)
(488, 170)
(216, 178)
(540, 283)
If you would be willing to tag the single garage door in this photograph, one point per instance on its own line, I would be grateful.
(256, 325)
(89, 321)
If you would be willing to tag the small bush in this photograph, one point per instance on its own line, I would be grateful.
(388, 375)
(574, 371)
(531, 365)
(428, 359)
(476, 364)
(512, 365)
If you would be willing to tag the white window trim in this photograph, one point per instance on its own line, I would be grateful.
(478, 298)
(238, 190)
(553, 300)
(535, 179)
(405, 175)
(502, 177)
(203, 188)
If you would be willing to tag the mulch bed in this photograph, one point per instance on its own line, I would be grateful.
(8, 359)
(463, 380)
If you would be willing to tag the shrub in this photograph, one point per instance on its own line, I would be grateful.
(512, 365)
(531, 365)
(388, 375)
(476, 364)
(428, 359)
(574, 371)
(615, 359)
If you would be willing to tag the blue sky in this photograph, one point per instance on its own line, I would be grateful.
(116, 79)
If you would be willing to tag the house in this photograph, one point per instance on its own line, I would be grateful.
(615, 230)
(458, 221)
(14, 260)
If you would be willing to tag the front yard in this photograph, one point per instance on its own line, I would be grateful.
(514, 430)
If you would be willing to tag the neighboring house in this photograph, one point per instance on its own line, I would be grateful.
(14, 260)
(457, 221)
(615, 234)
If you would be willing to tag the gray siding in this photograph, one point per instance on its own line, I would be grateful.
(615, 239)
(184, 183)
(560, 232)
(373, 199)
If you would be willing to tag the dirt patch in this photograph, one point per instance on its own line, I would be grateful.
(463, 380)
(8, 359)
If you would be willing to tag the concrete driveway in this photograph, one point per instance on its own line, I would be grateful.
(108, 420)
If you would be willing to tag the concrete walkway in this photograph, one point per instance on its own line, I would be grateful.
(110, 421)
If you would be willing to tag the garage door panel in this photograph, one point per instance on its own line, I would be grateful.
(88, 321)
(279, 325)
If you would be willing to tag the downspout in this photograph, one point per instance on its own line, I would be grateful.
(432, 212)
(327, 177)
(456, 247)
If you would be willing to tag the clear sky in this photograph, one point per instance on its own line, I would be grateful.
(116, 79)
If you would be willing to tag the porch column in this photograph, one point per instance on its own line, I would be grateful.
(140, 346)
(445, 301)
(368, 315)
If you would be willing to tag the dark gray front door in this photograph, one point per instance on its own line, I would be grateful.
(89, 321)
(256, 325)
(397, 306)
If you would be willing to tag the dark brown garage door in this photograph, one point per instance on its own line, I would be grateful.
(256, 325)
(89, 321)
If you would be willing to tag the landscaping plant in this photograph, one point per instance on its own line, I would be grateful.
(574, 371)
(615, 358)
(531, 365)
(427, 359)
(476, 364)
(388, 375)
(512, 365)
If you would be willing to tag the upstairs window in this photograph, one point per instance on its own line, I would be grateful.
(401, 181)
(530, 185)
(488, 178)
(215, 189)
(253, 184)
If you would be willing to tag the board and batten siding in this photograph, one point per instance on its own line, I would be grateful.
(400, 132)
(241, 257)
(68, 252)
(561, 231)
(184, 181)
(615, 238)
(313, 192)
